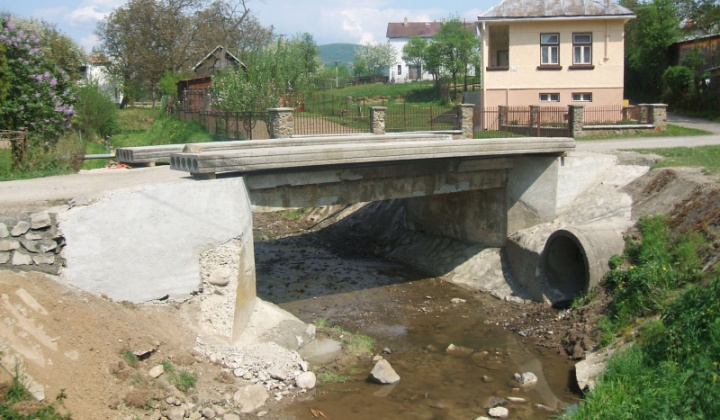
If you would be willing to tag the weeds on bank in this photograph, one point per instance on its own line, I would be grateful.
(672, 370)
(183, 380)
(706, 157)
(294, 214)
(16, 403)
(671, 131)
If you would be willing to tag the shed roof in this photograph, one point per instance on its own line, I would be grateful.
(422, 29)
(533, 9)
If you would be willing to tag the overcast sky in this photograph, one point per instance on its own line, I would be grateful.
(358, 21)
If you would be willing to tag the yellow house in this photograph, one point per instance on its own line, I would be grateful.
(553, 53)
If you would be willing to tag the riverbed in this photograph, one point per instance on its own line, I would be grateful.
(338, 279)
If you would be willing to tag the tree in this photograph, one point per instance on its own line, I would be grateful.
(458, 49)
(56, 46)
(40, 97)
(232, 25)
(374, 60)
(648, 39)
(701, 16)
(280, 69)
(414, 52)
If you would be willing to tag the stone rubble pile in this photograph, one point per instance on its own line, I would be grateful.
(30, 242)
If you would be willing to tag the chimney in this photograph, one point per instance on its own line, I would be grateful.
(405, 22)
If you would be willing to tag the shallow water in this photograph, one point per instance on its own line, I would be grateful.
(413, 317)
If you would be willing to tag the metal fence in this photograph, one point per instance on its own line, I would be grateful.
(231, 125)
(497, 122)
(610, 115)
(408, 117)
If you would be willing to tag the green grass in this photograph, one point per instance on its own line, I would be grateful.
(92, 148)
(707, 157)
(130, 358)
(16, 403)
(294, 214)
(671, 131)
(182, 379)
(672, 369)
(164, 130)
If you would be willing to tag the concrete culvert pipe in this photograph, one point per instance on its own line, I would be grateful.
(575, 259)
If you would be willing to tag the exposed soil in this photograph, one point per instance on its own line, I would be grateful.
(74, 343)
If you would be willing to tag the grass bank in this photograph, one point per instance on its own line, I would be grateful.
(707, 157)
(672, 131)
(663, 298)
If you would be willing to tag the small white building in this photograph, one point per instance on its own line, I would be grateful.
(399, 33)
(96, 71)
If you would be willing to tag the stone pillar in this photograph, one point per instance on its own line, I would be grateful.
(465, 114)
(657, 114)
(377, 119)
(534, 118)
(282, 123)
(576, 120)
(644, 113)
(502, 117)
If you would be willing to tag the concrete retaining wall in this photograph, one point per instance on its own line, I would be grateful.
(145, 244)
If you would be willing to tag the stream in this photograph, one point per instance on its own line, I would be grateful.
(413, 320)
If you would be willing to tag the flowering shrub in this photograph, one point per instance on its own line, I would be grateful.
(40, 99)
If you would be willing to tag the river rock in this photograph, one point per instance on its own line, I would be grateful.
(48, 259)
(20, 228)
(175, 413)
(40, 220)
(156, 371)
(306, 380)
(383, 373)
(526, 380)
(4, 232)
(517, 400)
(454, 350)
(19, 258)
(499, 412)
(250, 398)
(221, 276)
(9, 244)
(39, 247)
(457, 300)
(494, 401)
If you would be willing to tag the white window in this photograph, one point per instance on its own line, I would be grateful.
(549, 97)
(582, 97)
(549, 49)
(582, 48)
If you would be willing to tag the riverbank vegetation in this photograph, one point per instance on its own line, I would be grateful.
(668, 302)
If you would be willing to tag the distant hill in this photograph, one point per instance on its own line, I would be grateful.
(344, 53)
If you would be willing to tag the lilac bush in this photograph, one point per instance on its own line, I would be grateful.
(41, 98)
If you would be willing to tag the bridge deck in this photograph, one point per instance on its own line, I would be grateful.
(148, 154)
(265, 155)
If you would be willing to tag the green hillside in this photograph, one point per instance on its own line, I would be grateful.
(344, 53)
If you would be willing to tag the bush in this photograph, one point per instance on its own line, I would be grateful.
(97, 114)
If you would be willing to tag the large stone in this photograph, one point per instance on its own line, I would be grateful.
(499, 412)
(305, 380)
(454, 350)
(20, 228)
(44, 259)
(4, 232)
(39, 247)
(4, 257)
(40, 220)
(20, 258)
(221, 276)
(527, 379)
(250, 398)
(384, 373)
(9, 244)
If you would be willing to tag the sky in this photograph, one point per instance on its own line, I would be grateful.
(329, 21)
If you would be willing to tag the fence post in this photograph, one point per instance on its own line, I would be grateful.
(377, 119)
(644, 113)
(282, 123)
(658, 116)
(465, 119)
(576, 120)
(535, 118)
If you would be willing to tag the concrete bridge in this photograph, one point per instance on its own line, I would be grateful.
(476, 191)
